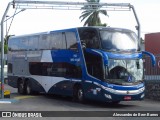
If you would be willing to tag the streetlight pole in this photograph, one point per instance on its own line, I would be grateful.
(6, 25)
(2, 51)
(2, 45)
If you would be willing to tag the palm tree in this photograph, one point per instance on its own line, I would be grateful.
(91, 14)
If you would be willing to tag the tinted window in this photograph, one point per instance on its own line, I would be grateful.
(89, 38)
(55, 69)
(44, 41)
(119, 40)
(23, 43)
(58, 41)
(13, 44)
(33, 42)
(71, 40)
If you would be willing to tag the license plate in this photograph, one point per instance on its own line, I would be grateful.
(127, 97)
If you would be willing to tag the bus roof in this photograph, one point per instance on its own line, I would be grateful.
(106, 28)
(74, 29)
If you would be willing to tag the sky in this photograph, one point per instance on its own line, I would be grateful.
(36, 20)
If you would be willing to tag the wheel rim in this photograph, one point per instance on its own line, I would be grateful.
(21, 88)
(28, 89)
(80, 95)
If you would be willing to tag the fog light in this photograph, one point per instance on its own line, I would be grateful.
(108, 96)
(142, 96)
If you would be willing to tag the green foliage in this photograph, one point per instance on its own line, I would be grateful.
(5, 49)
(101, 24)
(5, 44)
(91, 14)
(6, 39)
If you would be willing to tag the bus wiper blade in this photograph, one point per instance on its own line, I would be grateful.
(112, 50)
(129, 50)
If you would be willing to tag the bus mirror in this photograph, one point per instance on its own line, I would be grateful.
(153, 59)
(137, 27)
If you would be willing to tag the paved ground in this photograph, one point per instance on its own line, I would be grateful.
(59, 103)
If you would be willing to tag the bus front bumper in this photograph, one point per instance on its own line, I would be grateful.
(124, 95)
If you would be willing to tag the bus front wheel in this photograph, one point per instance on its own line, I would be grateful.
(79, 94)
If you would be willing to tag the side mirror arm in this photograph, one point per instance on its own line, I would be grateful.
(153, 59)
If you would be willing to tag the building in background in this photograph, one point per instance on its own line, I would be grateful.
(152, 74)
(152, 44)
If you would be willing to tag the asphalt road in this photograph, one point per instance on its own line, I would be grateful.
(59, 103)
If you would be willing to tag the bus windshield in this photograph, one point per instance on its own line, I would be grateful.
(124, 71)
(119, 40)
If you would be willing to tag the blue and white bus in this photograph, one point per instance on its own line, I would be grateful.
(98, 63)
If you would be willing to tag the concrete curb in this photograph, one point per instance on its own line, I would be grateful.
(8, 101)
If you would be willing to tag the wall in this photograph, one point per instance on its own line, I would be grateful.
(152, 74)
(152, 89)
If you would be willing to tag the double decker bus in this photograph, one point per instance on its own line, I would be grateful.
(98, 63)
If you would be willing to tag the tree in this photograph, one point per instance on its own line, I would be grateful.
(91, 14)
(6, 39)
(5, 44)
(5, 48)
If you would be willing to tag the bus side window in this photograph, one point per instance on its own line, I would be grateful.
(71, 41)
(13, 44)
(44, 41)
(23, 43)
(33, 42)
(90, 39)
(58, 41)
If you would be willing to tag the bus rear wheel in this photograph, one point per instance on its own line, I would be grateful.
(21, 89)
(28, 88)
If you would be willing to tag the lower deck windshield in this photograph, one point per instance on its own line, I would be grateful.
(124, 71)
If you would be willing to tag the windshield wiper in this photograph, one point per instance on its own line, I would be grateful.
(128, 50)
(111, 50)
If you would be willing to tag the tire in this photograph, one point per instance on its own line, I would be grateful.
(79, 94)
(21, 89)
(28, 89)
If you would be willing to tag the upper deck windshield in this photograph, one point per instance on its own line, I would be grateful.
(119, 40)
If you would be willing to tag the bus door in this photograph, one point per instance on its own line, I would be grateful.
(90, 41)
